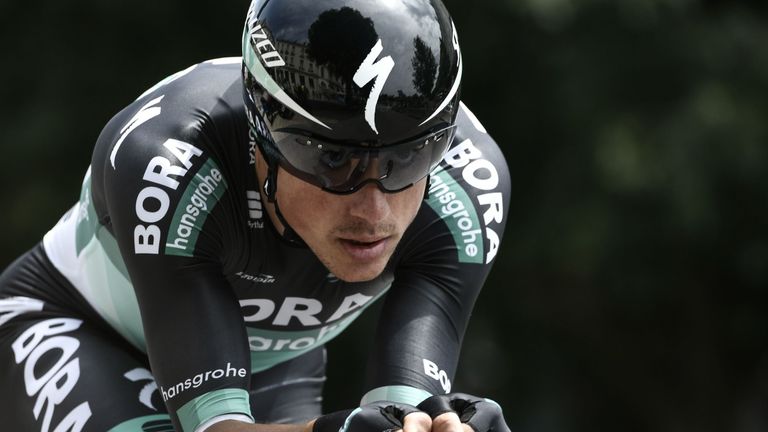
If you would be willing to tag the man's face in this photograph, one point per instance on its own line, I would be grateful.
(353, 235)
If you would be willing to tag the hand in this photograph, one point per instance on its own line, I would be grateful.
(380, 416)
(449, 422)
(482, 415)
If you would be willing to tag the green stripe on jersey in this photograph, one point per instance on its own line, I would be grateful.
(199, 199)
(256, 68)
(151, 423)
(88, 228)
(87, 221)
(270, 347)
(452, 203)
(396, 393)
(219, 402)
(107, 286)
(109, 291)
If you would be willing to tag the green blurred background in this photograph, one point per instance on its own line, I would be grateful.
(630, 291)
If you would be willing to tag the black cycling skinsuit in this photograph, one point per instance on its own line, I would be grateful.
(169, 263)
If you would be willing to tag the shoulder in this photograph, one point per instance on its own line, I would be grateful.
(193, 113)
(469, 192)
(182, 142)
(475, 156)
(182, 106)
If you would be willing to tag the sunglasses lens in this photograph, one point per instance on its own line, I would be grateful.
(344, 169)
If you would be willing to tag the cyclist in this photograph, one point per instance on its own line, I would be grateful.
(243, 212)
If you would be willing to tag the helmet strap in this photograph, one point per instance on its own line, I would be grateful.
(288, 233)
(270, 183)
(426, 189)
(270, 190)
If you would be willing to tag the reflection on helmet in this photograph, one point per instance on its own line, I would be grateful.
(360, 75)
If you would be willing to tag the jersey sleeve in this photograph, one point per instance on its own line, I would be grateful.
(447, 254)
(162, 186)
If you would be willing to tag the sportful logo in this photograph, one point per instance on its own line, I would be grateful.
(379, 72)
(255, 210)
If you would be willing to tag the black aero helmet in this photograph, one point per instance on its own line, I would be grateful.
(342, 93)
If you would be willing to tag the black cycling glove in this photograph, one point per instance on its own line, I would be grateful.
(482, 415)
(373, 417)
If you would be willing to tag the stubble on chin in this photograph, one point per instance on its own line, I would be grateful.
(338, 263)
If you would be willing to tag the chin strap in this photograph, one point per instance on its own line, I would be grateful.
(426, 188)
(270, 190)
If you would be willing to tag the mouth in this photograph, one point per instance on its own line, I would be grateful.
(365, 249)
(363, 241)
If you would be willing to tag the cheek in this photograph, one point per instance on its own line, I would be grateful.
(408, 202)
(306, 207)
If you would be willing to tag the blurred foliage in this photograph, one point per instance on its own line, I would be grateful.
(630, 291)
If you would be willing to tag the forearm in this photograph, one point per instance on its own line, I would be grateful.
(236, 426)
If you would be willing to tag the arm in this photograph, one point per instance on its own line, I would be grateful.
(445, 259)
(235, 426)
(159, 189)
(195, 335)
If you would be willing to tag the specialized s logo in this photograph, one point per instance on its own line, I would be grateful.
(145, 395)
(149, 111)
(379, 72)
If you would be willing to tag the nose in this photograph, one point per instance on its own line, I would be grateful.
(370, 204)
